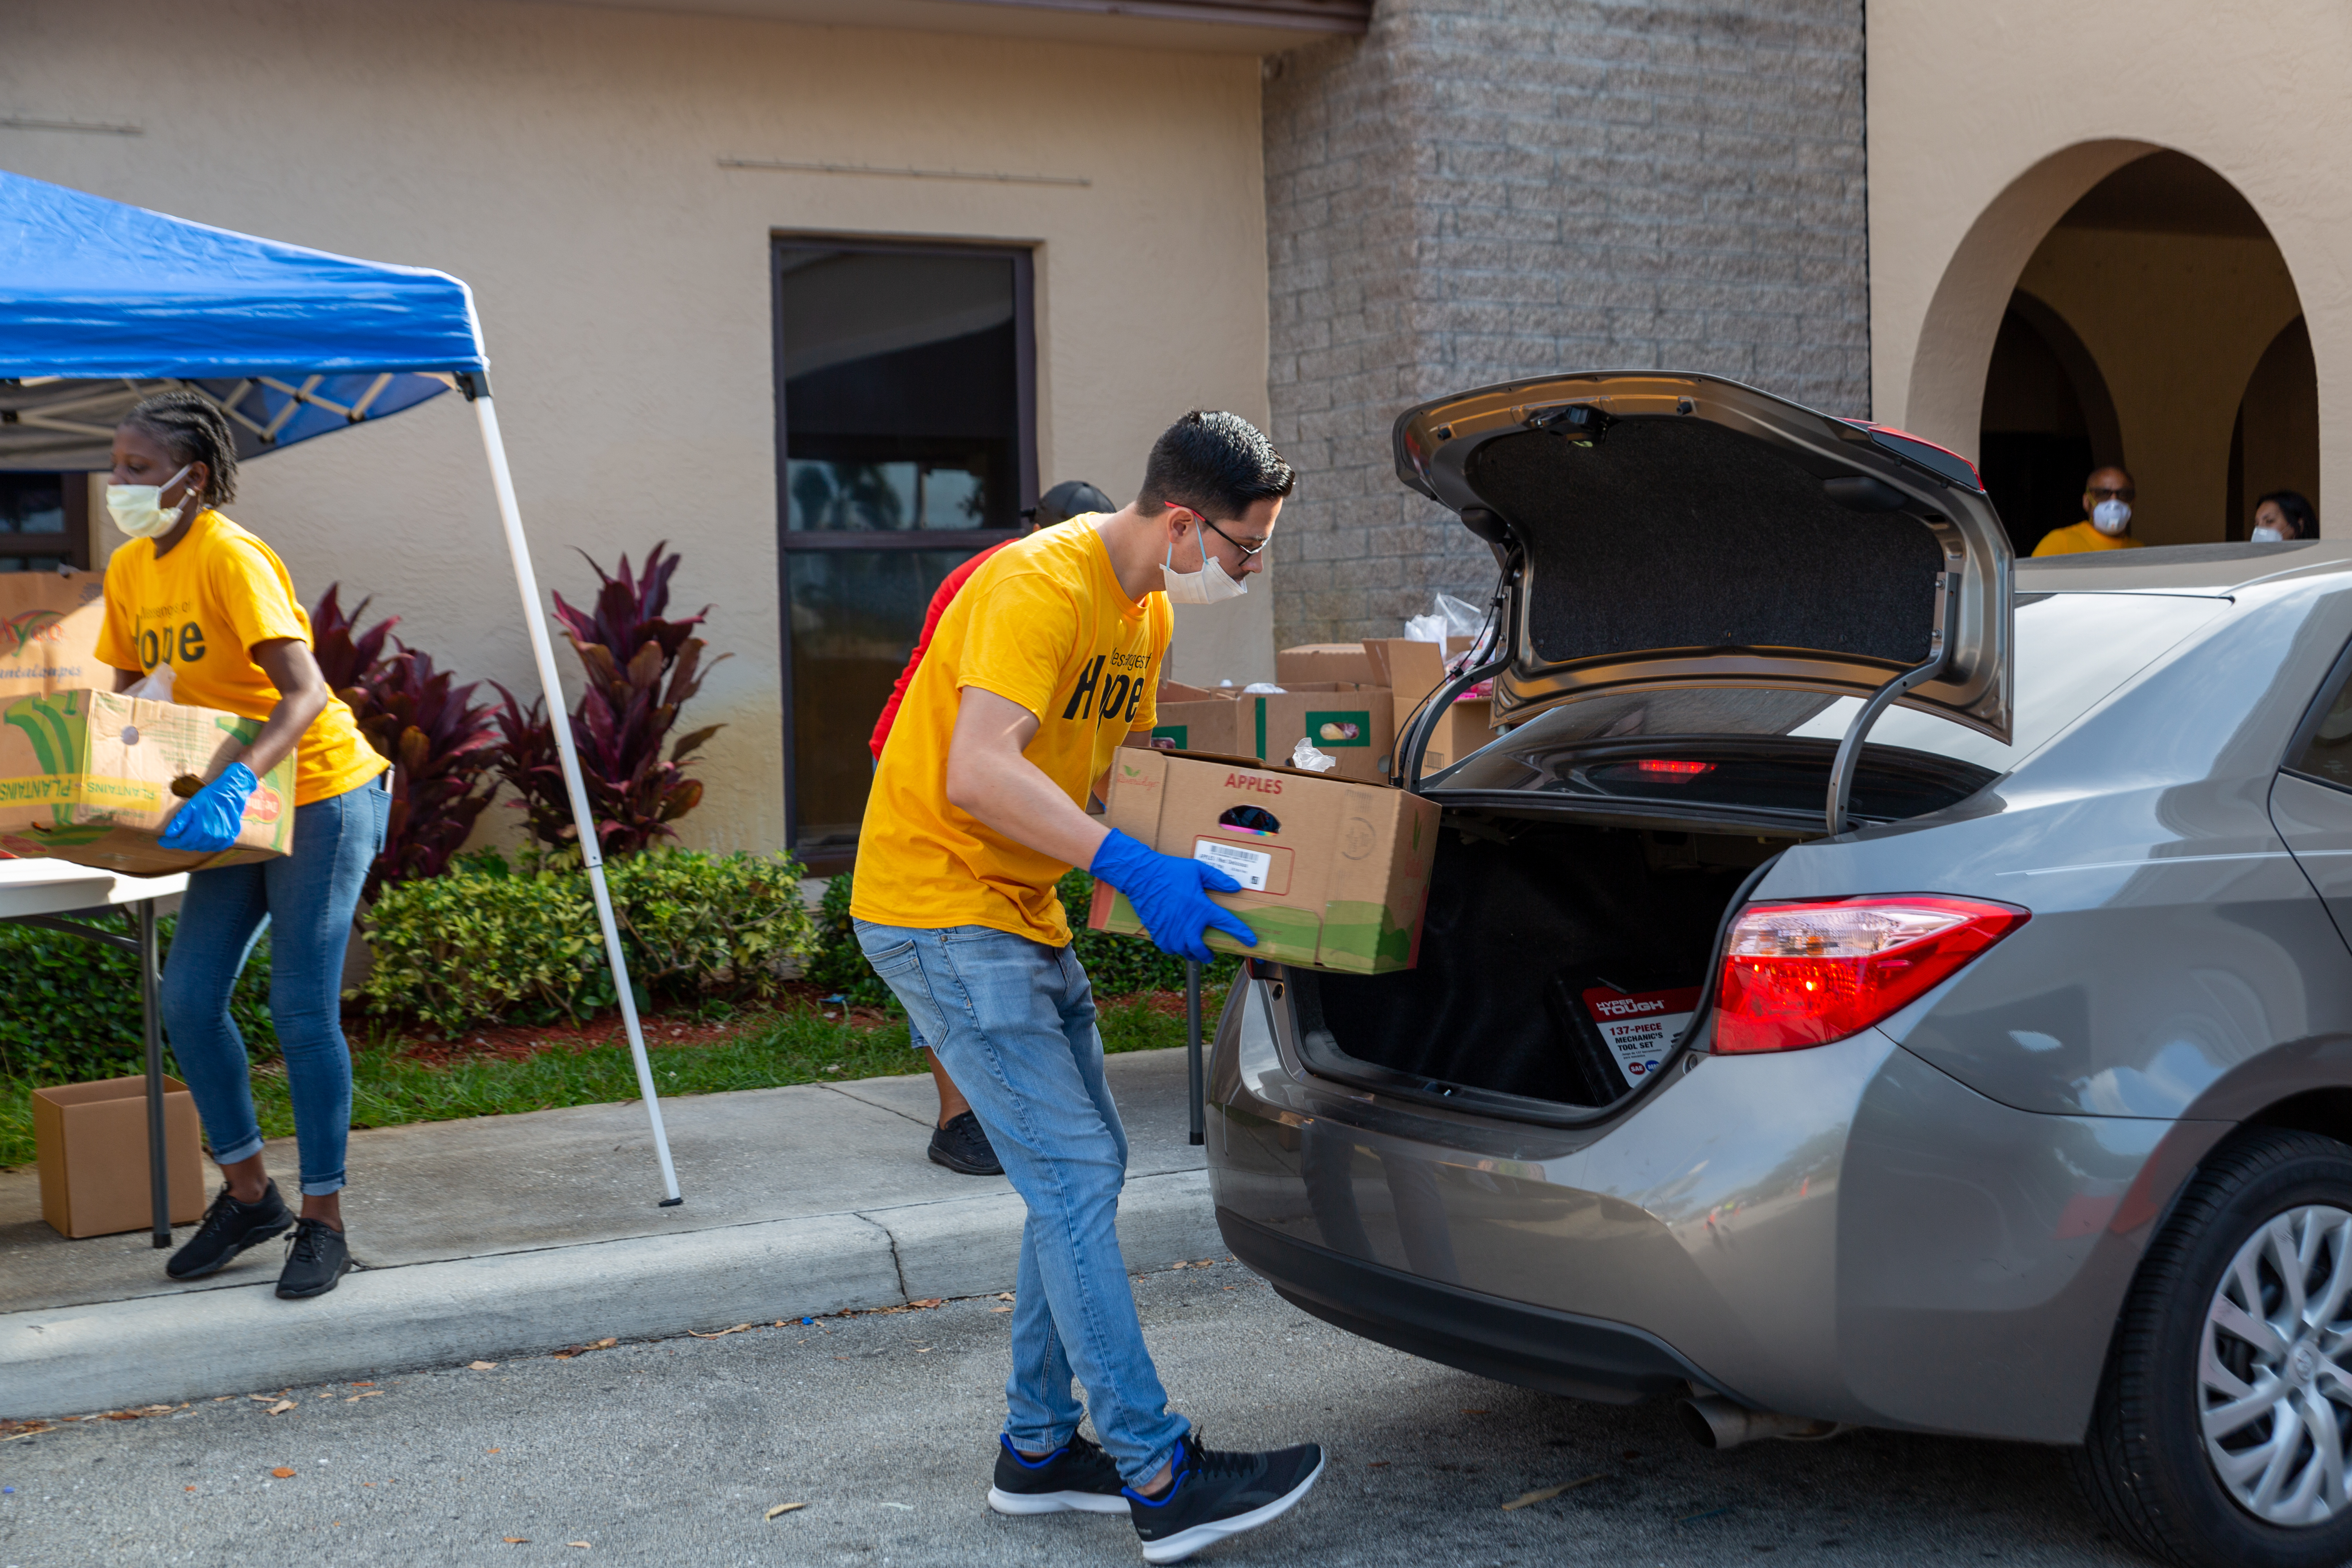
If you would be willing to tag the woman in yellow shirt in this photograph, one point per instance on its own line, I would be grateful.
(194, 591)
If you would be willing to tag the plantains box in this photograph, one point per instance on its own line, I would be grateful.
(90, 1140)
(1335, 872)
(49, 631)
(91, 777)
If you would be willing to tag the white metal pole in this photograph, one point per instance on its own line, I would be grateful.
(542, 652)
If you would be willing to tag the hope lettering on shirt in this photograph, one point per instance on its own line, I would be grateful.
(1121, 694)
(164, 639)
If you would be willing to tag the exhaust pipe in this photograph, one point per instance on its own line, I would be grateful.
(1717, 1423)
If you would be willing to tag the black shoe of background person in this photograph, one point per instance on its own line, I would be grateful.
(227, 1228)
(1077, 1476)
(1216, 1495)
(963, 1145)
(315, 1259)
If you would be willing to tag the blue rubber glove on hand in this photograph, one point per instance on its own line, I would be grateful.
(210, 819)
(1169, 897)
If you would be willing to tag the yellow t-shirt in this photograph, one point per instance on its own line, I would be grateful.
(1046, 625)
(200, 609)
(2080, 539)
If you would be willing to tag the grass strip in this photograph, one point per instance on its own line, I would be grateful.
(391, 1089)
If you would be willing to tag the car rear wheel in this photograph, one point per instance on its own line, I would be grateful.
(2223, 1424)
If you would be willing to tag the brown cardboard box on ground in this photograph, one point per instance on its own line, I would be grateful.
(91, 1140)
(1335, 873)
(1193, 719)
(91, 777)
(1311, 663)
(1356, 724)
(49, 632)
(1413, 671)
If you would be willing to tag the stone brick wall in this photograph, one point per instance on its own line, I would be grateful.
(1484, 189)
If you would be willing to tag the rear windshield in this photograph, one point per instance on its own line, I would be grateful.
(2071, 650)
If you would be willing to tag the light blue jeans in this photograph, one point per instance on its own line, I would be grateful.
(306, 898)
(1013, 1020)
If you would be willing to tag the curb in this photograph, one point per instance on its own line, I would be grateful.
(169, 1348)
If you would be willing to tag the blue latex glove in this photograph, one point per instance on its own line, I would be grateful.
(1168, 895)
(210, 819)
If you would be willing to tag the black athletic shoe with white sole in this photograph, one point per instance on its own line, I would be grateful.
(962, 1146)
(316, 1260)
(229, 1228)
(1075, 1477)
(1216, 1495)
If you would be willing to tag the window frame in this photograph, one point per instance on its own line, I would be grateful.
(75, 540)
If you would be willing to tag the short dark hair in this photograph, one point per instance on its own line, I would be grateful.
(1219, 464)
(191, 426)
(2296, 510)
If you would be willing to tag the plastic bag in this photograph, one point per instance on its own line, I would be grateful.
(1449, 617)
(1305, 756)
(156, 687)
(1262, 689)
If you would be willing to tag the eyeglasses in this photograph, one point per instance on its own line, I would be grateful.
(1248, 551)
(2105, 492)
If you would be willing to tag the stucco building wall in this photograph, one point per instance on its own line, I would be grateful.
(564, 161)
(1481, 190)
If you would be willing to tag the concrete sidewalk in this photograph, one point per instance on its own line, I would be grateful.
(505, 1235)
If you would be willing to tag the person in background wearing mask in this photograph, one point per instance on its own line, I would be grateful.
(2107, 497)
(194, 591)
(956, 1140)
(1041, 667)
(2283, 515)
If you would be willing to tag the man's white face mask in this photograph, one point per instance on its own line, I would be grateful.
(1210, 586)
(2265, 534)
(2111, 517)
(139, 510)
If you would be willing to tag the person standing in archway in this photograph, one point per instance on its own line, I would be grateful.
(2107, 497)
(2283, 515)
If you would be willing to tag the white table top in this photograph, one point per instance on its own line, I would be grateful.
(53, 887)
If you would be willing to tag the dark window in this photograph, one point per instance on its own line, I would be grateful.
(905, 410)
(2323, 750)
(44, 522)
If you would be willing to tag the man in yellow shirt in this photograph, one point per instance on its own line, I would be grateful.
(2107, 497)
(1040, 668)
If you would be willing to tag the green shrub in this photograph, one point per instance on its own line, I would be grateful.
(72, 1010)
(488, 940)
(1116, 965)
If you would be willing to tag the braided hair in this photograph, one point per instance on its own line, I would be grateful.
(192, 427)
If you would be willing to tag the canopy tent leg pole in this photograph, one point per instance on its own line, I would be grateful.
(542, 652)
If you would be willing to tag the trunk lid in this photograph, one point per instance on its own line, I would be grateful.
(1678, 530)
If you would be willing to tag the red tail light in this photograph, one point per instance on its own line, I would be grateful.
(1801, 974)
(1674, 768)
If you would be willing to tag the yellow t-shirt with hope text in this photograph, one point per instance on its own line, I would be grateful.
(200, 609)
(1046, 625)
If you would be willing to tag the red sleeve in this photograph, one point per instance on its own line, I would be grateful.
(940, 602)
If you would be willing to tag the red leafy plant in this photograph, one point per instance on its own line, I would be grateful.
(441, 742)
(642, 668)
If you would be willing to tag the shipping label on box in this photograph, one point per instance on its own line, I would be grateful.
(93, 778)
(49, 622)
(1335, 873)
(1354, 724)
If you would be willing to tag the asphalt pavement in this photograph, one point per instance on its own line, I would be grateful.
(883, 1425)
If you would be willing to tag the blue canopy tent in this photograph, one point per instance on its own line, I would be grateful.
(102, 303)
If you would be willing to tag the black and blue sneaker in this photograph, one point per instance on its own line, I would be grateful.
(1077, 1476)
(1216, 1495)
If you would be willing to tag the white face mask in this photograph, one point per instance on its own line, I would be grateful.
(2111, 517)
(139, 510)
(2265, 534)
(1210, 586)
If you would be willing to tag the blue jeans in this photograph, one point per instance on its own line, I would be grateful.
(306, 898)
(1013, 1021)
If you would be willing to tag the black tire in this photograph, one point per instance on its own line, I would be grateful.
(2143, 1465)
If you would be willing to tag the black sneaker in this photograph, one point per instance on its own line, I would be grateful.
(229, 1228)
(1216, 1495)
(1077, 1476)
(963, 1145)
(316, 1258)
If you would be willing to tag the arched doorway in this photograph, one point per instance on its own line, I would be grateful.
(2154, 324)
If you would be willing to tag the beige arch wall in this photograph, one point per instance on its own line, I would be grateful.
(563, 159)
(1988, 119)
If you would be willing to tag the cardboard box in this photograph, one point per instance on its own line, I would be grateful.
(49, 622)
(1315, 663)
(1193, 719)
(1413, 671)
(1336, 873)
(1356, 724)
(91, 777)
(90, 1140)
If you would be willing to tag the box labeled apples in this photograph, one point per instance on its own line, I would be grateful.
(92, 777)
(1334, 872)
(49, 632)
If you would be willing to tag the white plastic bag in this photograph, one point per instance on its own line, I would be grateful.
(1262, 689)
(1305, 756)
(156, 687)
(1449, 617)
